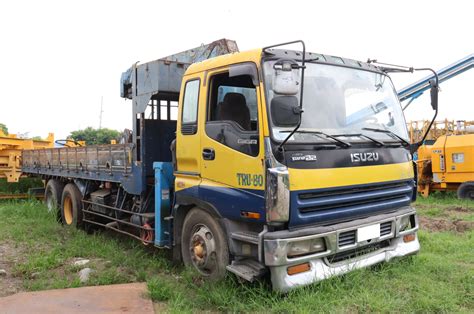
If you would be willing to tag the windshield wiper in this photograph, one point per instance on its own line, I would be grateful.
(379, 143)
(318, 133)
(393, 135)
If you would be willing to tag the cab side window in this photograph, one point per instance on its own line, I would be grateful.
(190, 107)
(232, 112)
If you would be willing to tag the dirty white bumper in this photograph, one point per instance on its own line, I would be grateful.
(322, 265)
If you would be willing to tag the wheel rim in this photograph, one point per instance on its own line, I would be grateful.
(50, 202)
(470, 193)
(202, 247)
(68, 210)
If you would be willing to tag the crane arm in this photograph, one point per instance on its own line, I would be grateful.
(414, 90)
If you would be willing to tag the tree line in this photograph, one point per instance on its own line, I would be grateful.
(90, 135)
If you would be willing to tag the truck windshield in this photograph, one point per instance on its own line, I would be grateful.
(338, 101)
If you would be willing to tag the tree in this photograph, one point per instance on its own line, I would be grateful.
(4, 128)
(95, 136)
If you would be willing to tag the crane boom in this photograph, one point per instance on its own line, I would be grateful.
(414, 90)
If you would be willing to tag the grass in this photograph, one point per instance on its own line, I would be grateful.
(439, 279)
(443, 199)
(445, 205)
(19, 187)
(50, 248)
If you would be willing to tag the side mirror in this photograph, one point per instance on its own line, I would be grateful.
(285, 111)
(434, 94)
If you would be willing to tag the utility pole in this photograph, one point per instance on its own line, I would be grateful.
(101, 111)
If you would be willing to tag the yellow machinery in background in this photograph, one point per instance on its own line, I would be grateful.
(446, 161)
(445, 127)
(10, 153)
(70, 143)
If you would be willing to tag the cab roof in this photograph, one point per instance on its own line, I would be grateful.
(256, 55)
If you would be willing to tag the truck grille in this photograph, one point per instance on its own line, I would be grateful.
(350, 237)
(347, 238)
(344, 203)
(385, 228)
(349, 254)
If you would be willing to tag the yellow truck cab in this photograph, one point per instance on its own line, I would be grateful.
(270, 162)
(335, 197)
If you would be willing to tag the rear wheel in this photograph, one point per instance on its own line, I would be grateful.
(71, 206)
(52, 196)
(466, 190)
(204, 245)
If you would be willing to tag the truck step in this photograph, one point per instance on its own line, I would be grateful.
(246, 236)
(247, 269)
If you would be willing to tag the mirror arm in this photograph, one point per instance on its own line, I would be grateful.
(434, 73)
(280, 147)
(414, 147)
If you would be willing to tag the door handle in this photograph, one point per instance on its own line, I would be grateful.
(208, 154)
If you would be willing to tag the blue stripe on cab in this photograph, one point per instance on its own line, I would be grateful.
(230, 201)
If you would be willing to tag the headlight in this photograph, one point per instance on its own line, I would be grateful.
(405, 223)
(306, 247)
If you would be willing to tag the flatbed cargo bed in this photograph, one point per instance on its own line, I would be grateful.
(111, 162)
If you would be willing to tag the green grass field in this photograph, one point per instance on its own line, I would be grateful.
(38, 254)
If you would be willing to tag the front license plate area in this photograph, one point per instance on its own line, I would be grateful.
(368, 233)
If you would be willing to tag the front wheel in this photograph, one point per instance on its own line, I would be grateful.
(204, 245)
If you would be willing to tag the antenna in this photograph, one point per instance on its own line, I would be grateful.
(101, 111)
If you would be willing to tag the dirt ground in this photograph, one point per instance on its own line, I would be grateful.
(451, 220)
(9, 257)
(122, 298)
(440, 224)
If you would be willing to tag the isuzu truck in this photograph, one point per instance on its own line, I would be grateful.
(269, 162)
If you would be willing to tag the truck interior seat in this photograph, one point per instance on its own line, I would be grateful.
(234, 108)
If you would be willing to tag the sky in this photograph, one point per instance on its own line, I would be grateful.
(60, 58)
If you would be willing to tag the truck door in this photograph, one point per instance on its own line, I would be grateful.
(232, 168)
(188, 147)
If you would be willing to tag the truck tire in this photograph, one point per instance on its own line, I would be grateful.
(71, 206)
(204, 245)
(52, 196)
(466, 190)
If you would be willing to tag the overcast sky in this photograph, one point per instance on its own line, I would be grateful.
(58, 58)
